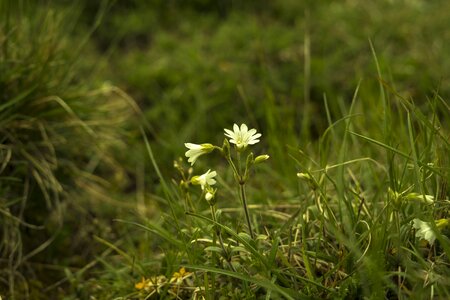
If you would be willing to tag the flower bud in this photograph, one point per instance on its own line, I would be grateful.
(396, 197)
(308, 179)
(195, 180)
(249, 161)
(442, 223)
(210, 196)
(419, 197)
(226, 148)
(261, 158)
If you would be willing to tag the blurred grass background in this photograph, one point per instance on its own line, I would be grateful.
(78, 79)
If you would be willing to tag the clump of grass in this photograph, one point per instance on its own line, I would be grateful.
(58, 130)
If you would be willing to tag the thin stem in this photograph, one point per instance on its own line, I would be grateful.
(241, 182)
(219, 234)
(233, 166)
(215, 262)
(239, 162)
(244, 202)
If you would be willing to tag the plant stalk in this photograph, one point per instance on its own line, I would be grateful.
(244, 203)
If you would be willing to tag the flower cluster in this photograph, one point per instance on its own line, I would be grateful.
(241, 137)
(156, 284)
(206, 181)
(151, 285)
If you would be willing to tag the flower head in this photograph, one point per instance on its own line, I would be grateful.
(196, 150)
(205, 180)
(242, 137)
(424, 230)
(179, 276)
(142, 284)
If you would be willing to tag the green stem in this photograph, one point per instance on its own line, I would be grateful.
(219, 234)
(241, 182)
(233, 166)
(244, 203)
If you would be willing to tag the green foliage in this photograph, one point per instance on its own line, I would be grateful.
(58, 131)
(350, 96)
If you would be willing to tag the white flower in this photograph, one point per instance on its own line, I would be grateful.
(424, 230)
(196, 150)
(242, 137)
(205, 180)
(428, 199)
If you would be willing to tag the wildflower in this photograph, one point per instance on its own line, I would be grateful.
(424, 231)
(205, 180)
(196, 150)
(179, 276)
(142, 284)
(151, 285)
(242, 137)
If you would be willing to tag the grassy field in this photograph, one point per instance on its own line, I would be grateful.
(224, 150)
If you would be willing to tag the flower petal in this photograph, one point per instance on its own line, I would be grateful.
(244, 128)
(236, 128)
(251, 132)
(192, 146)
(252, 142)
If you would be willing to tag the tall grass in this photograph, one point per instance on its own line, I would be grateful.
(58, 132)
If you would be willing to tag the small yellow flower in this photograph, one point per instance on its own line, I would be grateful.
(179, 276)
(142, 284)
(181, 273)
(151, 285)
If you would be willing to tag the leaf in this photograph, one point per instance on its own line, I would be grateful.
(214, 249)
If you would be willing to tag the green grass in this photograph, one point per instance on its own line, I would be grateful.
(97, 199)
(56, 150)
